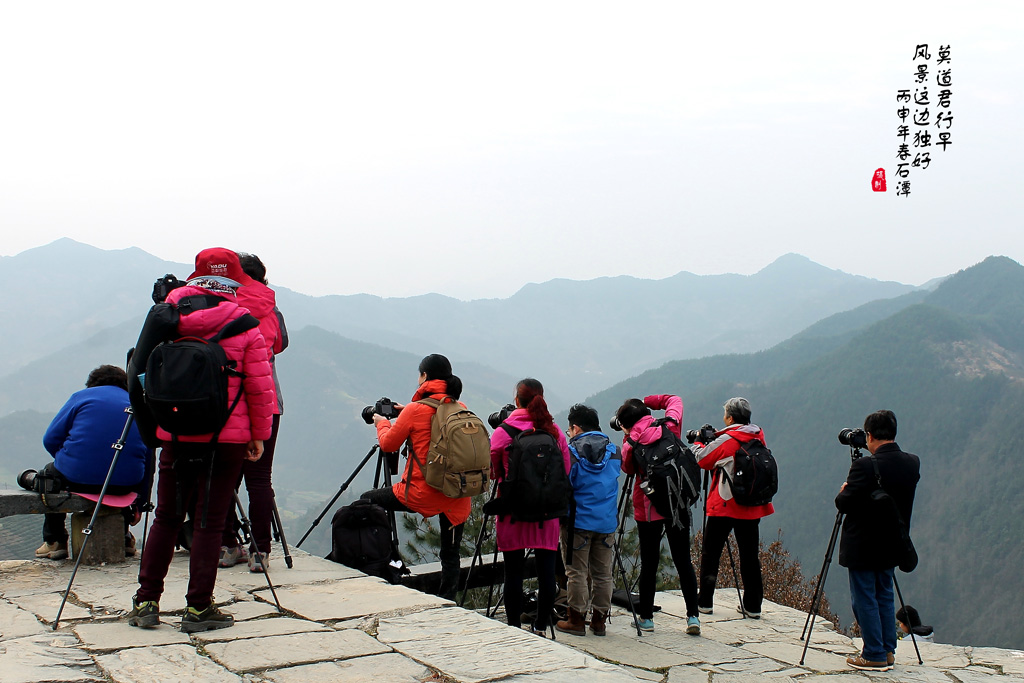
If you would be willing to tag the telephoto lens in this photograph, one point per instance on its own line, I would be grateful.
(27, 480)
(615, 424)
(854, 438)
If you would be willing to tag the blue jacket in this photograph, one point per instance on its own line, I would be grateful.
(596, 463)
(81, 435)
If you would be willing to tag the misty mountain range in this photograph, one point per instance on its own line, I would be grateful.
(814, 350)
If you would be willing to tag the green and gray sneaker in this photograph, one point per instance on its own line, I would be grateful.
(145, 614)
(208, 619)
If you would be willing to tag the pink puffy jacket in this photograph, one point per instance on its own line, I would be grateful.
(251, 418)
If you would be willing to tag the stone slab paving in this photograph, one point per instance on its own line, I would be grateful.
(179, 663)
(255, 654)
(108, 636)
(45, 658)
(350, 599)
(392, 668)
(340, 625)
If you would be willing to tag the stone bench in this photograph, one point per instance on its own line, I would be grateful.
(107, 542)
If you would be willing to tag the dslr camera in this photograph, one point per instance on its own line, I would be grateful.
(854, 438)
(706, 434)
(41, 482)
(385, 407)
(164, 286)
(615, 424)
(499, 416)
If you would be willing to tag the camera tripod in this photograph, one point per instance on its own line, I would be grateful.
(627, 488)
(728, 546)
(254, 550)
(819, 588)
(481, 537)
(118, 446)
(387, 464)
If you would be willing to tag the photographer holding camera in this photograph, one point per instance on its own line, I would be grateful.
(724, 514)
(870, 544)
(79, 439)
(412, 493)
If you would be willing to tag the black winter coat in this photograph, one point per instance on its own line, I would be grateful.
(870, 540)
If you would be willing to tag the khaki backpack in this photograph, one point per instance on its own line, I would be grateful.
(459, 460)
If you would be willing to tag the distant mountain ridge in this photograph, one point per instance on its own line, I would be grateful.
(949, 363)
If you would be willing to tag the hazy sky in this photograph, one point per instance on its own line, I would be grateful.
(470, 148)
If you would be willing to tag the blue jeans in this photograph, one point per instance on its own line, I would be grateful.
(875, 612)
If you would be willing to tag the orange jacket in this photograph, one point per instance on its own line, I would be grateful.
(413, 424)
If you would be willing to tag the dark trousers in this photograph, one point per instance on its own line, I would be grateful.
(650, 557)
(875, 611)
(515, 561)
(451, 539)
(716, 534)
(261, 496)
(170, 514)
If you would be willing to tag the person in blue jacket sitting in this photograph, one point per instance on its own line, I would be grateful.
(80, 439)
(588, 542)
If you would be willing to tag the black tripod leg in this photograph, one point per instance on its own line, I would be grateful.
(279, 532)
(254, 549)
(481, 536)
(87, 532)
(899, 594)
(337, 495)
(735, 576)
(819, 590)
(627, 487)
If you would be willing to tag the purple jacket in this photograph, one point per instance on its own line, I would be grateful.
(520, 535)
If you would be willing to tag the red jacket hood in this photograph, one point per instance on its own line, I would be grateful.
(429, 388)
(258, 298)
(208, 321)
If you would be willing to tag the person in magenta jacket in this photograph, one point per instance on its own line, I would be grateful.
(639, 426)
(219, 457)
(725, 515)
(514, 538)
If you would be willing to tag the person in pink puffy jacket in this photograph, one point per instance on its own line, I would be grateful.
(185, 461)
(639, 427)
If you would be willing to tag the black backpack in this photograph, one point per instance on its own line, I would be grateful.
(361, 539)
(536, 486)
(671, 473)
(186, 381)
(756, 475)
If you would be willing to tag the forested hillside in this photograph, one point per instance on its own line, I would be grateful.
(950, 367)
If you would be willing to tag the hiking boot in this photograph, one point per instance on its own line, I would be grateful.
(209, 619)
(229, 557)
(693, 626)
(890, 658)
(58, 550)
(145, 614)
(746, 612)
(597, 620)
(256, 564)
(129, 546)
(574, 624)
(862, 664)
(646, 624)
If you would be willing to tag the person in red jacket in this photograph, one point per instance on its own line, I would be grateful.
(412, 493)
(219, 457)
(725, 515)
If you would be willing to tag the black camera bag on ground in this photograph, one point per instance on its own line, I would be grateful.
(756, 475)
(361, 539)
(536, 487)
(186, 386)
(671, 470)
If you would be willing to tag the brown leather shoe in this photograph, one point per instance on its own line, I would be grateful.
(574, 625)
(890, 658)
(597, 620)
(859, 662)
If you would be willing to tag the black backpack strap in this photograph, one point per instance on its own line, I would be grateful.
(198, 302)
(510, 430)
(241, 324)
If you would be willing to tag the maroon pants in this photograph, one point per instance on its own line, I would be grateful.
(170, 513)
(261, 496)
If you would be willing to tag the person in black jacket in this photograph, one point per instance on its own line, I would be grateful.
(870, 544)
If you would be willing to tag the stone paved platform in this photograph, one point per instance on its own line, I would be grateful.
(339, 625)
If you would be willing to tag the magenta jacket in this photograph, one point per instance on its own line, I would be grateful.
(645, 432)
(251, 418)
(520, 535)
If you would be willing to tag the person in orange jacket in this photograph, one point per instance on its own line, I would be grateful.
(412, 493)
